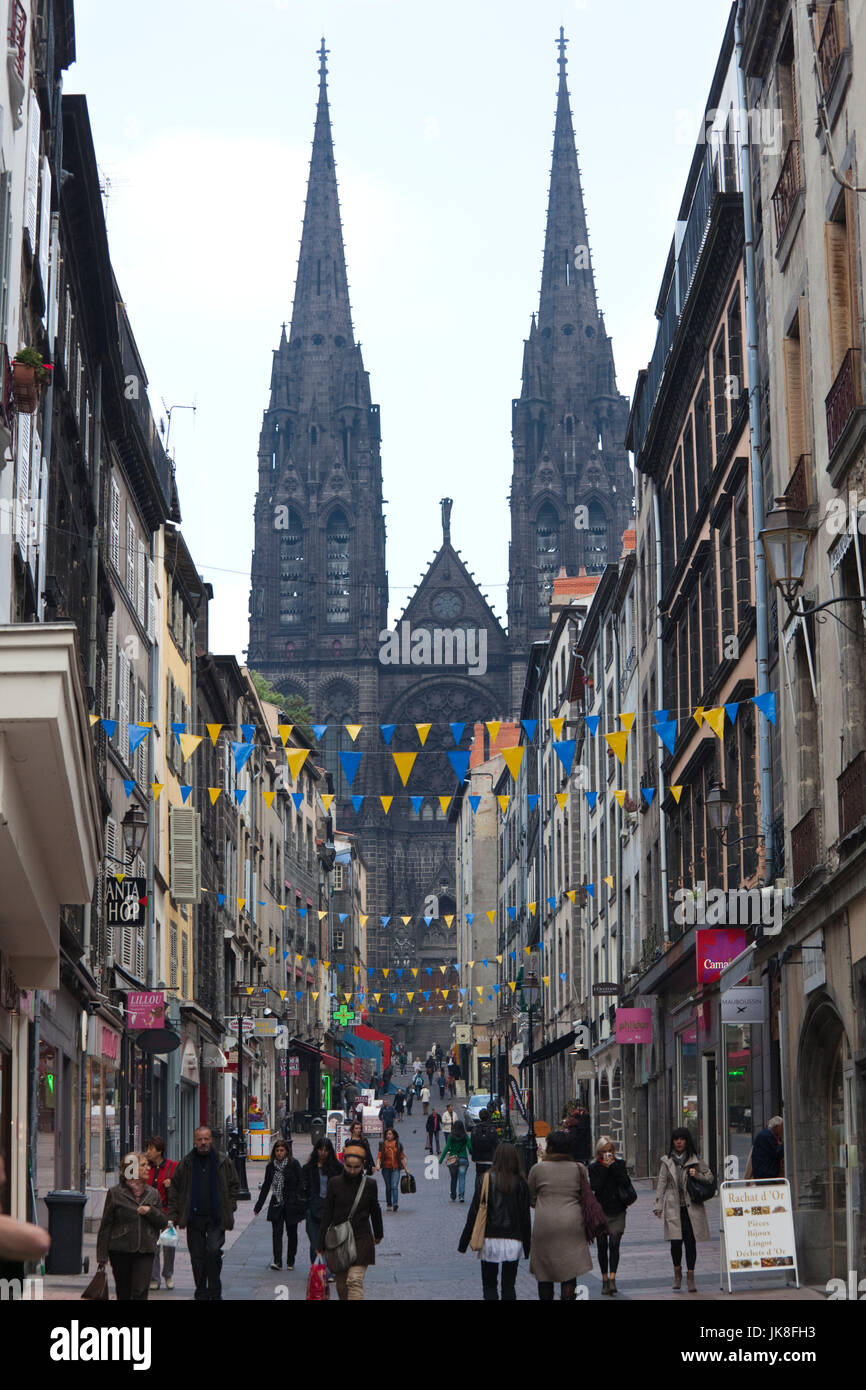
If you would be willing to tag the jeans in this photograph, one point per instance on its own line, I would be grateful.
(350, 1284)
(391, 1179)
(291, 1227)
(608, 1246)
(489, 1280)
(205, 1242)
(458, 1178)
(131, 1275)
(688, 1241)
(567, 1291)
(168, 1253)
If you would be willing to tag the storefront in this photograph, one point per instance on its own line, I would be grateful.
(102, 1113)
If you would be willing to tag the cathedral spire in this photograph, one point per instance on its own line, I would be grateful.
(321, 304)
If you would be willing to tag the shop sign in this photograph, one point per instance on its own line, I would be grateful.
(716, 949)
(264, 1027)
(758, 1228)
(518, 1052)
(124, 900)
(294, 1066)
(232, 1024)
(605, 987)
(634, 1026)
(145, 1009)
(110, 1041)
(812, 951)
(254, 998)
(743, 1004)
(584, 1071)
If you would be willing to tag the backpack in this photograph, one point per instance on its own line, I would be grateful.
(341, 1250)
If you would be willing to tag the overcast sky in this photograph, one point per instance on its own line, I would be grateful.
(442, 115)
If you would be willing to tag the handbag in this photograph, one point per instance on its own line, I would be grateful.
(594, 1219)
(625, 1192)
(700, 1189)
(97, 1289)
(476, 1240)
(407, 1184)
(341, 1251)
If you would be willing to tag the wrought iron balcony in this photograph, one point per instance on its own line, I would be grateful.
(844, 397)
(17, 36)
(830, 46)
(787, 188)
(805, 846)
(851, 791)
(797, 491)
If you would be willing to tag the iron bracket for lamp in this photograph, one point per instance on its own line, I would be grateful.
(803, 612)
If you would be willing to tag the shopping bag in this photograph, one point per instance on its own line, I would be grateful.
(317, 1284)
(97, 1289)
(168, 1237)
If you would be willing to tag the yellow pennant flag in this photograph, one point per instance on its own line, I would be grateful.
(410, 995)
(386, 803)
(620, 796)
(357, 970)
(698, 715)
(448, 920)
(213, 793)
(405, 762)
(323, 914)
(545, 980)
(445, 993)
(491, 915)
(422, 731)
(493, 727)
(326, 964)
(716, 720)
(617, 743)
(241, 902)
(94, 719)
(399, 1011)
(445, 802)
(513, 758)
(214, 730)
(315, 994)
(443, 968)
(363, 918)
(503, 803)
(626, 720)
(561, 798)
(282, 993)
(512, 985)
(479, 989)
(532, 907)
(609, 881)
(296, 760)
(527, 950)
(557, 725)
(499, 959)
(414, 969)
(386, 972)
(156, 788)
(353, 731)
(271, 950)
(120, 877)
(347, 997)
(571, 895)
(676, 793)
(188, 744)
(377, 997)
(282, 907)
(269, 798)
(471, 964)
(326, 799)
(299, 959)
(284, 731)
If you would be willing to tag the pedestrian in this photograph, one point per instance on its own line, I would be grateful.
(19, 1240)
(160, 1175)
(202, 1198)
(391, 1160)
(366, 1219)
(440, 1081)
(685, 1219)
(430, 1067)
(410, 1099)
(508, 1225)
(484, 1144)
(320, 1167)
(357, 1136)
(567, 1217)
(613, 1187)
(399, 1104)
(132, 1219)
(449, 1118)
(386, 1078)
(434, 1126)
(456, 1156)
(767, 1159)
(285, 1181)
(425, 1099)
(418, 1083)
(577, 1126)
(387, 1115)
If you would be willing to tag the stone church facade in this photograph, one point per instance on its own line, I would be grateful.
(319, 591)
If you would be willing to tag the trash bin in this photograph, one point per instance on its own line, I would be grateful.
(526, 1152)
(317, 1130)
(66, 1228)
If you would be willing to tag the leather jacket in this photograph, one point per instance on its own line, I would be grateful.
(485, 1141)
(508, 1215)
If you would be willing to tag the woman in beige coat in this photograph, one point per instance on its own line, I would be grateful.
(560, 1252)
(685, 1220)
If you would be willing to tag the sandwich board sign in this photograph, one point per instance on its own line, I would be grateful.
(758, 1228)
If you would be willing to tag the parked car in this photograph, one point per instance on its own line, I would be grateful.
(481, 1100)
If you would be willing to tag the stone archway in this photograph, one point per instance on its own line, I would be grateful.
(818, 1143)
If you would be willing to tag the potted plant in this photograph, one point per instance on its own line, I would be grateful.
(28, 373)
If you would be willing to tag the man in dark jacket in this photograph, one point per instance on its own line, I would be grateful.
(366, 1220)
(484, 1144)
(202, 1197)
(768, 1150)
(387, 1115)
(433, 1127)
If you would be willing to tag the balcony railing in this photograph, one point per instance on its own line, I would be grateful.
(17, 36)
(797, 491)
(787, 188)
(830, 47)
(7, 403)
(843, 399)
(851, 791)
(805, 846)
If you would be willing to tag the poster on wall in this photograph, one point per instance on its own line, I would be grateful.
(758, 1228)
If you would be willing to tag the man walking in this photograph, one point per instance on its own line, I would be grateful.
(425, 1099)
(484, 1144)
(768, 1151)
(434, 1125)
(448, 1117)
(387, 1115)
(202, 1198)
(161, 1173)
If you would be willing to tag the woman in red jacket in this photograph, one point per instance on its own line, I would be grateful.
(161, 1173)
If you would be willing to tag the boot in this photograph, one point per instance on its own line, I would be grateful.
(605, 1284)
(678, 1277)
(690, 1281)
(611, 1288)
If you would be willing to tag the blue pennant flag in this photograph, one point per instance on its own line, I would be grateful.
(533, 800)
(339, 969)
(129, 786)
(564, 750)
(474, 802)
(426, 993)
(512, 955)
(351, 762)
(261, 902)
(185, 794)
(667, 732)
(592, 723)
(529, 727)
(249, 732)
(388, 732)
(384, 921)
(302, 912)
(313, 961)
(485, 964)
(496, 989)
(298, 798)
(591, 799)
(109, 725)
(512, 912)
(137, 734)
(661, 715)
(239, 795)
(241, 752)
(563, 975)
(177, 730)
(767, 705)
(416, 804)
(299, 994)
(462, 992)
(399, 974)
(470, 917)
(648, 793)
(428, 920)
(541, 944)
(319, 730)
(457, 731)
(342, 916)
(393, 996)
(732, 711)
(356, 802)
(221, 897)
(590, 888)
(460, 764)
(551, 902)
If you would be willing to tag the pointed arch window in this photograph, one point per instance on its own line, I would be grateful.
(337, 569)
(547, 555)
(596, 547)
(292, 572)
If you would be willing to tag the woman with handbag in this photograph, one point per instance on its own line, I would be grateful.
(567, 1219)
(390, 1161)
(286, 1208)
(609, 1180)
(351, 1225)
(132, 1219)
(456, 1156)
(499, 1225)
(684, 1184)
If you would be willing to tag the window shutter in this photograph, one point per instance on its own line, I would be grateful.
(140, 597)
(838, 292)
(150, 600)
(170, 741)
(123, 706)
(853, 266)
(22, 496)
(31, 199)
(114, 526)
(795, 414)
(130, 557)
(173, 956)
(185, 851)
(111, 866)
(111, 668)
(142, 747)
(38, 491)
(5, 249)
(45, 228)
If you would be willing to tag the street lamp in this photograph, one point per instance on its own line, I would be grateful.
(531, 991)
(134, 828)
(785, 538)
(720, 804)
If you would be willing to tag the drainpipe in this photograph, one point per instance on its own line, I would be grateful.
(663, 829)
(93, 600)
(762, 629)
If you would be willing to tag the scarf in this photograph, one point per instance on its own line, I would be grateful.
(280, 1170)
(214, 1191)
(680, 1161)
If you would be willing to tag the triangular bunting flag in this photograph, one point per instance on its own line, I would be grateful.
(698, 715)
(448, 920)
(213, 793)
(617, 742)
(404, 763)
(562, 798)
(137, 734)
(493, 727)
(660, 715)
(298, 798)
(284, 731)
(731, 710)
(156, 788)
(387, 731)
(422, 731)
(460, 764)
(716, 720)
(513, 758)
(188, 744)
(326, 799)
(296, 760)
(648, 793)
(94, 719)
(178, 729)
(445, 802)
(591, 799)
(417, 802)
(221, 897)
(532, 907)
(676, 793)
(353, 730)
(239, 796)
(269, 798)
(571, 895)
(109, 725)
(350, 763)
(457, 731)
(320, 730)
(384, 921)
(767, 705)
(474, 802)
(186, 793)
(241, 902)
(564, 750)
(592, 722)
(129, 786)
(503, 803)
(386, 803)
(356, 802)
(248, 731)
(590, 888)
(620, 796)
(667, 732)
(215, 730)
(491, 914)
(512, 912)
(529, 726)
(626, 720)
(609, 881)
(241, 752)
(405, 920)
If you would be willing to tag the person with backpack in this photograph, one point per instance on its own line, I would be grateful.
(609, 1179)
(390, 1161)
(503, 1193)
(484, 1144)
(161, 1173)
(456, 1156)
(685, 1217)
(286, 1207)
(351, 1199)
(433, 1126)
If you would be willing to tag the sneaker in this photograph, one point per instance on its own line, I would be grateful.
(169, 1281)
(154, 1283)
(388, 1208)
(290, 1267)
(273, 1265)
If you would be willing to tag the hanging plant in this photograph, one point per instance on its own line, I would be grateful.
(28, 373)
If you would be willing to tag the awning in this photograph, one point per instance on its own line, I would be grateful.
(551, 1049)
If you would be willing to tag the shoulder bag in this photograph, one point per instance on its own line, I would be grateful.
(341, 1250)
(476, 1240)
(594, 1220)
(625, 1190)
(700, 1189)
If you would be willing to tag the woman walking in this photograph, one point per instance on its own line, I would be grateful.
(508, 1226)
(319, 1168)
(685, 1219)
(391, 1159)
(399, 1104)
(456, 1156)
(132, 1219)
(357, 1136)
(612, 1186)
(366, 1219)
(286, 1208)
(567, 1217)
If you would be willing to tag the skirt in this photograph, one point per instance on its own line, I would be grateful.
(616, 1224)
(500, 1250)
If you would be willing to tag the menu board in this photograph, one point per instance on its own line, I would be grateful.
(758, 1227)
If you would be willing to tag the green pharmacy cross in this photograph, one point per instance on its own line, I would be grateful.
(343, 1016)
